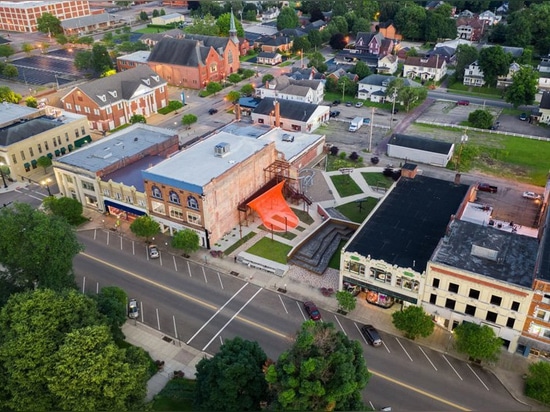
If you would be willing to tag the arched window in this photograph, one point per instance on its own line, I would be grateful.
(192, 203)
(155, 192)
(174, 197)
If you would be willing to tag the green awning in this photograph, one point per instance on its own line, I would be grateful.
(27, 165)
(63, 150)
(71, 147)
(34, 162)
(57, 152)
(50, 155)
(81, 142)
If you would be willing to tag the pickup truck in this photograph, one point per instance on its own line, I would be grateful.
(486, 187)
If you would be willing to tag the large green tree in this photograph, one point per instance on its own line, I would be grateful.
(48, 23)
(539, 14)
(481, 118)
(65, 207)
(346, 300)
(188, 119)
(6, 50)
(465, 55)
(439, 24)
(144, 226)
(223, 23)
(537, 383)
(101, 60)
(317, 60)
(112, 302)
(36, 250)
(186, 240)
(8, 95)
(411, 96)
(213, 87)
(494, 62)
(323, 370)
(233, 380)
(413, 321)
(287, 19)
(479, 342)
(518, 29)
(206, 25)
(524, 87)
(361, 69)
(233, 96)
(410, 20)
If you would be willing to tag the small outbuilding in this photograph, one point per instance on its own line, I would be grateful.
(420, 149)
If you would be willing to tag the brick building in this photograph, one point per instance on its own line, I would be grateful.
(23, 16)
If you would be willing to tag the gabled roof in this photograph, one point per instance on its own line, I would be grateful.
(293, 32)
(277, 41)
(85, 21)
(384, 81)
(120, 86)
(420, 143)
(316, 25)
(289, 109)
(545, 101)
(179, 52)
(363, 39)
(444, 51)
(218, 43)
(432, 61)
(268, 55)
(174, 33)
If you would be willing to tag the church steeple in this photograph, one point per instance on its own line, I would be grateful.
(233, 29)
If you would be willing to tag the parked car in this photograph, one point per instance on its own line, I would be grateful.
(523, 117)
(395, 111)
(349, 104)
(133, 309)
(366, 120)
(359, 104)
(531, 195)
(371, 335)
(334, 113)
(212, 111)
(336, 102)
(486, 187)
(154, 252)
(312, 310)
(463, 103)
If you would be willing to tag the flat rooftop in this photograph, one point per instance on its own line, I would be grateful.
(487, 251)
(123, 144)
(409, 223)
(140, 56)
(131, 175)
(10, 112)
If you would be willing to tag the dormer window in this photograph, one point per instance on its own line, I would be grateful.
(147, 81)
(156, 78)
(112, 93)
(103, 98)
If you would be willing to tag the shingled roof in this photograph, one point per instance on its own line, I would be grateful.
(289, 109)
(180, 52)
(218, 43)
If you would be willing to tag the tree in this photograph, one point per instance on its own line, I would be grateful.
(143, 15)
(112, 303)
(8, 95)
(162, 12)
(412, 96)
(6, 50)
(188, 119)
(31, 102)
(100, 59)
(267, 78)
(61, 39)
(10, 71)
(361, 24)
(206, 25)
(439, 24)
(144, 226)
(301, 44)
(347, 86)
(36, 250)
(233, 379)
(494, 62)
(27, 48)
(338, 41)
(537, 383)
(247, 89)
(138, 118)
(223, 23)
(465, 55)
(48, 23)
(414, 322)
(410, 20)
(361, 69)
(156, 13)
(478, 342)
(250, 15)
(233, 96)
(186, 240)
(315, 39)
(65, 207)
(481, 118)
(83, 60)
(45, 162)
(524, 87)
(323, 370)
(346, 300)
(287, 19)
(234, 78)
(213, 87)
(518, 29)
(317, 60)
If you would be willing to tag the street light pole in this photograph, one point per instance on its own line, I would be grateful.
(46, 184)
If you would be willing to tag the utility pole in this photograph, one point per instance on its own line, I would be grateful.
(394, 96)
(371, 126)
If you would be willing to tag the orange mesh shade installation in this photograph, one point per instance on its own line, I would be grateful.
(274, 211)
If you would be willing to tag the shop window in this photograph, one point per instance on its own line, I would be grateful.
(141, 202)
(474, 294)
(515, 306)
(88, 186)
(433, 298)
(510, 323)
(380, 275)
(435, 282)
(470, 310)
(450, 303)
(194, 218)
(174, 197)
(496, 300)
(155, 192)
(453, 287)
(158, 207)
(491, 317)
(192, 203)
(176, 213)
(355, 267)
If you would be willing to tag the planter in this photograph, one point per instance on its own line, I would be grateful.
(342, 312)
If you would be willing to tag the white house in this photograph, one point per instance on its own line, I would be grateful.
(544, 73)
(489, 18)
(290, 115)
(286, 88)
(373, 87)
(425, 68)
(168, 19)
(506, 80)
(473, 75)
(388, 64)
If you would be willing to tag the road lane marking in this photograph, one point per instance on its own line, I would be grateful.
(457, 374)
(483, 383)
(121, 243)
(204, 274)
(232, 317)
(420, 391)
(404, 350)
(429, 360)
(341, 327)
(282, 303)
(220, 279)
(175, 263)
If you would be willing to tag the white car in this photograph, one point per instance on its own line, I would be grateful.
(153, 252)
(531, 195)
(133, 309)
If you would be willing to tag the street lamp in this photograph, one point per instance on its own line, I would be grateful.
(46, 184)
(463, 139)
(3, 176)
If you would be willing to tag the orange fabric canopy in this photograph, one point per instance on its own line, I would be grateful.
(274, 211)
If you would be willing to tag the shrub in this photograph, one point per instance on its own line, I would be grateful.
(354, 156)
(334, 150)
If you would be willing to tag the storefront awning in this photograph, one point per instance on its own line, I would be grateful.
(380, 290)
(50, 155)
(81, 142)
(34, 162)
(57, 152)
(126, 208)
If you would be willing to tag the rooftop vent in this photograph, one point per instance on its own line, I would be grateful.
(222, 149)
(288, 138)
(485, 253)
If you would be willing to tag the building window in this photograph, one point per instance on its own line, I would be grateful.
(380, 275)
(96, 112)
(194, 218)
(83, 130)
(14, 159)
(118, 196)
(59, 140)
(515, 306)
(77, 107)
(155, 192)
(158, 207)
(355, 267)
(174, 197)
(76, 133)
(129, 199)
(491, 317)
(450, 303)
(46, 146)
(433, 298)
(510, 323)
(435, 282)
(54, 142)
(119, 106)
(474, 294)
(106, 192)
(88, 186)
(86, 109)
(66, 136)
(69, 179)
(192, 203)
(470, 310)
(453, 287)
(141, 202)
(68, 105)
(22, 155)
(39, 148)
(496, 300)
(176, 213)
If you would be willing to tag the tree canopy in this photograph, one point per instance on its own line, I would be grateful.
(537, 383)
(188, 119)
(6, 50)
(465, 55)
(144, 226)
(323, 370)
(494, 62)
(233, 380)
(413, 321)
(481, 118)
(48, 23)
(524, 87)
(206, 25)
(233, 96)
(8, 95)
(65, 207)
(213, 87)
(346, 300)
(410, 20)
(287, 19)
(479, 342)
(186, 240)
(223, 23)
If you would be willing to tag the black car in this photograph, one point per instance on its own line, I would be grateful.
(334, 113)
(212, 111)
(336, 102)
(371, 335)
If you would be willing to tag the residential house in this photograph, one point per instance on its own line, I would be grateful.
(106, 175)
(306, 73)
(507, 79)
(544, 108)
(270, 14)
(387, 29)
(110, 102)
(369, 48)
(425, 68)
(340, 72)
(129, 61)
(277, 44)
(544, 73)
(470, 28)
(171, 18)
(286, 88)
(489, 18)
(151, 39)
(374, 87)
(269, 58)
(290, 115)
(445, 52)
(473, 75)
(388, 64)
(317, 25)
(26, 134)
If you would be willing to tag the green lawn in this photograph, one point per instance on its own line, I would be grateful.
(354, 213)
(336, 163)
(177, 395)
(303, 216)
(377, 179)
(345, 185)
(287, 235)
(238, 243)
(148, 30)
(270, 249)
(334, 261)
(489, 92)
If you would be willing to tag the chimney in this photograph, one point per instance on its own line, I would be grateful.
(277, 114)
(238, 112)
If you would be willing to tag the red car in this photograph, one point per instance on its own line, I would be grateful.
(312, 310)
(486, 187)
(463, 103)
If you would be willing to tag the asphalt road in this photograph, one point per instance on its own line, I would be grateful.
(203, 307)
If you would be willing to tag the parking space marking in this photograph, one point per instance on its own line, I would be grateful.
(404, 350)
(120, 242)
(189, 269)
(175, 263)
(108, 237)
(147, 252)
(301, 311)
(133, 248)
(341, 327)
(204, 274)
(282, 303)
(452, 367)
(220, 279)
(386, 346)
(477, 376)
(429, 360)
